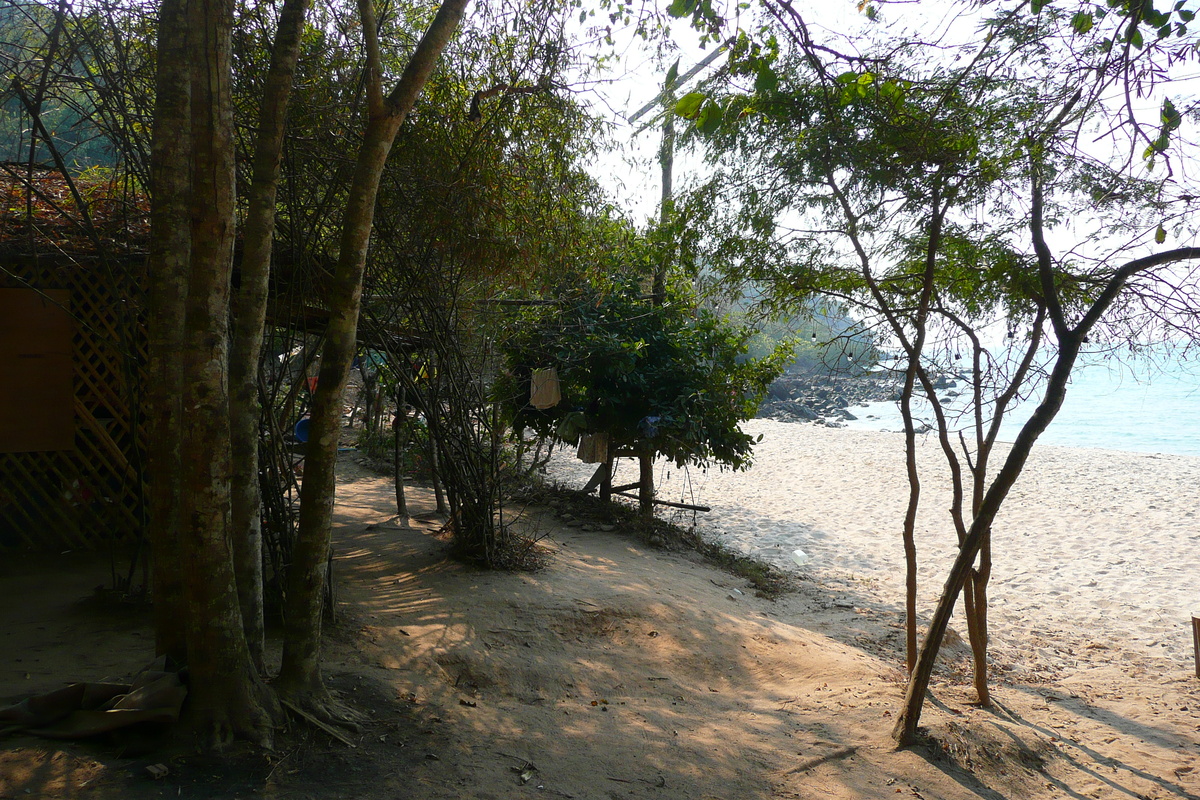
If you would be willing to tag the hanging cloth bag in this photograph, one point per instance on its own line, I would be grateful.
(543, 388)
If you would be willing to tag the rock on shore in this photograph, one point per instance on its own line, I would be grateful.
(824, 398)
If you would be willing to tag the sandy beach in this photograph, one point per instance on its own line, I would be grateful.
(1096, 552)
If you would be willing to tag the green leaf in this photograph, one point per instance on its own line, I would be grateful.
(1036, 6)
(710, 117)
(866, 79)
(766, 81)
(1156, 18)
(1083, 22)
(681, 8)
(1160, 235)
(689, 105)
(1171, 118)
(891, 90)
(672, 74)
(1136, 40)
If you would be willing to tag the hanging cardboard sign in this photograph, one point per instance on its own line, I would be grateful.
(593, 448)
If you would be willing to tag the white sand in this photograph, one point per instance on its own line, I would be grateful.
(1096, 553)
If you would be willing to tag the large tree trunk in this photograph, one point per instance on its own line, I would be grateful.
(170, 255)
(299, 677)
(227, 697)
(246, 346)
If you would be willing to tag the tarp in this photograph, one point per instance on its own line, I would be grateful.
(82, 710)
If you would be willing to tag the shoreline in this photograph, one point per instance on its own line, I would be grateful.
(1091, 549)
(1041, 443)
(1097, 414)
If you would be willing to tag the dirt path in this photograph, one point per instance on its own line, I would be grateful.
(618, 671)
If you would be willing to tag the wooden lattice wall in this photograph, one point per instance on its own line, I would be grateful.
(91, 495)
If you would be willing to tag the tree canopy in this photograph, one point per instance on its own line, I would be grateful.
(672, 379)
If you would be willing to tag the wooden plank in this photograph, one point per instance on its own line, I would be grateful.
(658, 502)
(35, 361)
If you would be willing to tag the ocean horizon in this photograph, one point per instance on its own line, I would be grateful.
(1129, 406)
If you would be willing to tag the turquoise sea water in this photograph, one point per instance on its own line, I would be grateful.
(1138, 407)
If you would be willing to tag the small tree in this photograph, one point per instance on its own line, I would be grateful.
(924, 191)
(668, 380)
(299, 676)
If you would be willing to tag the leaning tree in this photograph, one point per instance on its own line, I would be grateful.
(947, 198)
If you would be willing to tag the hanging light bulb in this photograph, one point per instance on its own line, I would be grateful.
(814, 337)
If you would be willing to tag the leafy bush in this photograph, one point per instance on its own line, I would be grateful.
(674, 378)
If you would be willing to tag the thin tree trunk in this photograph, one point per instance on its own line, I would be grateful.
(246, 347)
(666, 211)
(910, 518)
(435, 476)
(398, 449)
(905, 731)
(646, 484)
(977, 622)
(170, 255)
(915, 352)
(227, 697)
(300, 677)
(607, 476)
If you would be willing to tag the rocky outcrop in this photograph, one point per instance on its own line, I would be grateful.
(825, 399)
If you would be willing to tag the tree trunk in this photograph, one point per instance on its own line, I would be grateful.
(399, 446)
(246, 348)
(910, 514)
(646, 484)
(299, 677)
(227, 697)
(606, 476)
(905, 731)
(435, 475)
(977, 621)
(666, 211)
(170, 255)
